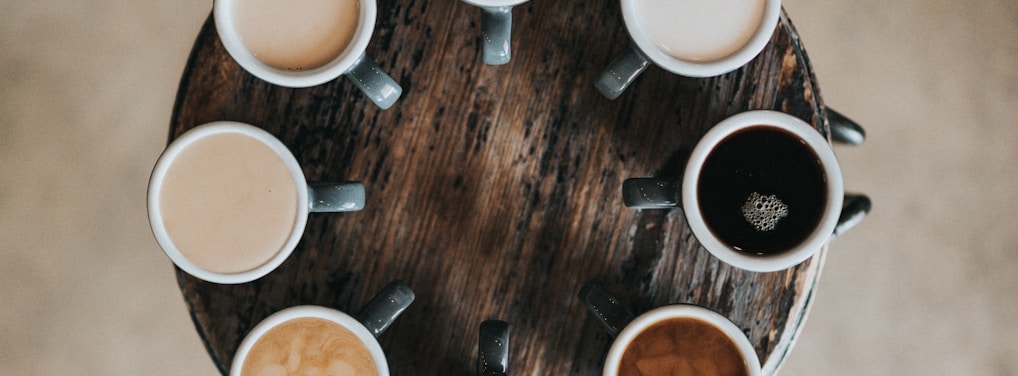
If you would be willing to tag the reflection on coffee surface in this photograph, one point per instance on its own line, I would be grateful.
(762, 190)
(680, 347)
(296, 34)
(309, 346)
(699, 30)
(228, 203)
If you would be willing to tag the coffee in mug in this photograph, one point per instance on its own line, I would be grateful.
(228, 202)
(309, 346)
(677, 339)
(761, 191)
(692, 38)
(699, 30)
(316, 340)
(303, 43)
(682, 346)
(298, 34)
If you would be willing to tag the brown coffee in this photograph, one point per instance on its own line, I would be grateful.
(309, 346)
(228, 203)
(296, 34)
(682, 346)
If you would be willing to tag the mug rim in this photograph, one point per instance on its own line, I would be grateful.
(825, 225)
(635, 327)
(167, 158)
(342, 63)
(310, 311)
(742, 56)
(495, 3)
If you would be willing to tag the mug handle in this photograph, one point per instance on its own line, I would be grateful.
(854, 209)
(385, 307)
(652, 193)
(327, 197)
(374, 82)
(844, 130)
(493, 349)
(496, 34)
(856, 206)
(608, 310)
(621, 72)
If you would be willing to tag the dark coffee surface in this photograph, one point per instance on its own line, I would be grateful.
(682, 347)
(771, 163)
(494, 192)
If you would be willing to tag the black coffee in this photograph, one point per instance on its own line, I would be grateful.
(762, 190)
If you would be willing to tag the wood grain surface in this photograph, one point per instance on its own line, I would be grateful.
(495, 191)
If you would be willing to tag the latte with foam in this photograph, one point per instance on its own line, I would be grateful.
(309, 346)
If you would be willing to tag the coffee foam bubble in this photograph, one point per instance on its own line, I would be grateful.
(764, 212)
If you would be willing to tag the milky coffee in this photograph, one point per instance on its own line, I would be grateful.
(228, 203)
(309, 346)
(296, 34)
(699, 30)
(682, 346)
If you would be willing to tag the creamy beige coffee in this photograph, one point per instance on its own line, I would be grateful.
(309, 346)
(699, 30)
(228, 203)
(296, 34)
(682, 347)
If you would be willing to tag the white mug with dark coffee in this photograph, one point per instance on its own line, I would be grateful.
(762, 191)
(678, 339)
(305, 43)
(316, 340)
(692, 38)
(228, 202)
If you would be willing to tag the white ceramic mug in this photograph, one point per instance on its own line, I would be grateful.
(352, 62)
(367, 326)
(645, 49)
(310, 197)
(669, 192)
(621, 324)
(496, 29)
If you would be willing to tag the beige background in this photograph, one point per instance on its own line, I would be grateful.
(925, 286)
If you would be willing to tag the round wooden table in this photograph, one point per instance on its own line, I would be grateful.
(495, 191)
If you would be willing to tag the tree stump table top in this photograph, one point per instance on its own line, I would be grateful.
(494, 192)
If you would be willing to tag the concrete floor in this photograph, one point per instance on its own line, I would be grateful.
(926, 285)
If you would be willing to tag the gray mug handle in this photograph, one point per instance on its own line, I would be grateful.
(651, 193)
(325, 197)
(608, 310)
(374, 82)
(856, 206)
(854, 209)
(493, 349)
(844, 130)
(385, 307)
(496, 34)
(622, 71)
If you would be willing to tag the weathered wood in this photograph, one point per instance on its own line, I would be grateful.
(495, 191)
